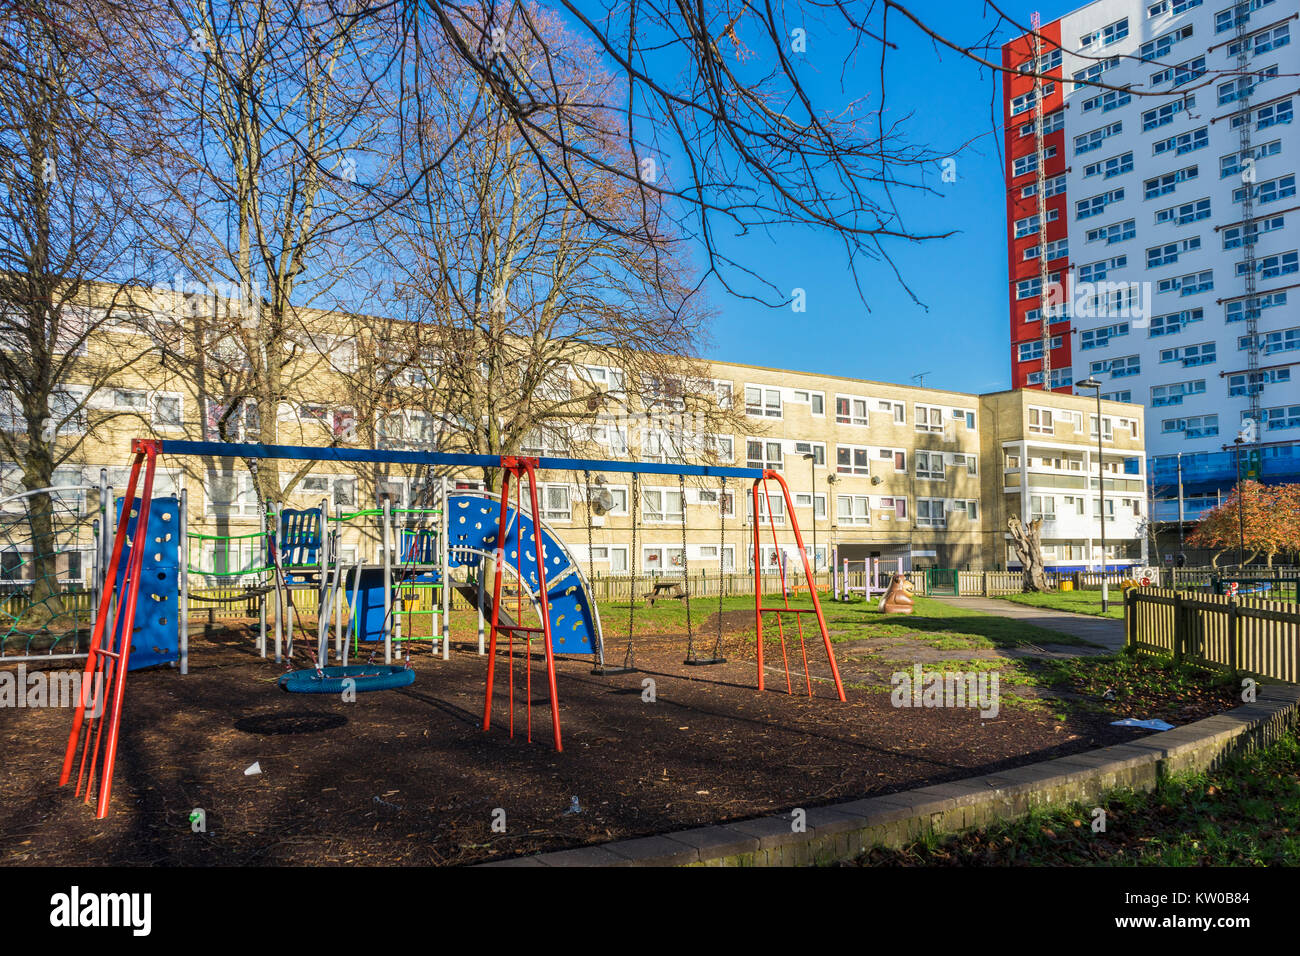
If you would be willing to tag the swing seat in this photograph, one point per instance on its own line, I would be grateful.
(333, 680)
(609, 670)
(704, 661)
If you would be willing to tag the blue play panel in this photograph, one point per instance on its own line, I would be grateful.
(472, 523)
(155, 637)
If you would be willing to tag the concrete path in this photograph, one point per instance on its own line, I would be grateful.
(1104, 631)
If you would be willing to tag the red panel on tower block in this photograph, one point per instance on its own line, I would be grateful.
(1015, 84)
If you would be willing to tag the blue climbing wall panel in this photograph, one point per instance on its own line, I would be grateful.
(368, 614)
(155, 637)
(472, 523)
(299, 538)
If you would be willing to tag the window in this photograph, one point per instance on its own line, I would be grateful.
(1189, 284)
(663, 560)
(816, 449)
(1096, 205)
(929, 464)
(1263, 41)
(1252, 307)
(929, 418)
(1100, 338)
(1029, 351)
(852, 460)
(1168, 253)
(130, 398)
(851, 411)
(1056, 249)
(661, 504)
(1040, 421)
(1109, 168)
(1246, 233)
(1093, 71)
(1025, 102)
(1185, 213)
(1232, 164)
(1095, 271)
(556, 505)
(1117, 367)
(1051, 122)
(1048, 62)
(899, 458)
(929, 513)
(1172, 322)
(1111, 33)
(613, 555)
(804, 499)
(1274, 189)
(1252, 383)
(1027, 164)
(1271, 267)
(1201, 426)
(167, 411)
(1115, 232)
(1175, 392)
(1274, 114)
(1282, 417)
(1086, 142)
(1110, 100)
(1163, 185)
(897, 410)
(1181, 143)
(1107, 427)
(816, 401)
(893, 508)
(775, 502)
(1051, 187)
(853, 510)
(763, 454)
(762, 402)
(1241, 87)
(1042, 506)
(1029, 225)
(1190, 355)
(1283, 340)
(1159, 48)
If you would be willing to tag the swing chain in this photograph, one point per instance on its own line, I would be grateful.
(629, 656)
(722, 562)
(686, 576)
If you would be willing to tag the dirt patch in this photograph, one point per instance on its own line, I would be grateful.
(409, 776)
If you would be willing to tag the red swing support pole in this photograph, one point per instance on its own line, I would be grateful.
(808, 576)
(519, 469)
(109, 663)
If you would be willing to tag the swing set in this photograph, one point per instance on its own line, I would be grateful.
(568, 621)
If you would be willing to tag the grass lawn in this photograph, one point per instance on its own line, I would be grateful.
(1242, 814)
(1080, 602)
(931, 622)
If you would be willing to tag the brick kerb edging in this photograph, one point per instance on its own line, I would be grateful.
(842, 831)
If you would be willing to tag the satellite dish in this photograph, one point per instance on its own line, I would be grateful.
(875, 479)
(601, 501)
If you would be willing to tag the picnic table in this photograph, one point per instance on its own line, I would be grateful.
(669, 589)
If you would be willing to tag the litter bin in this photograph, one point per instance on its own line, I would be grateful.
(1067, 585)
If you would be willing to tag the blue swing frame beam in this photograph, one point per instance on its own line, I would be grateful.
(215, 449)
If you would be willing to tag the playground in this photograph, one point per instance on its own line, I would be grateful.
(351, 716)
(409, 777)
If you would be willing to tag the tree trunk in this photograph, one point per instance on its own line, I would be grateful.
(1027, 540)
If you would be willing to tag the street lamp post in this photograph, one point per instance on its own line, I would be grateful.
(1241, 507)
(812, 473)
(1101, 491)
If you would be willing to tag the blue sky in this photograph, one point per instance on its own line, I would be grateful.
(959, 338)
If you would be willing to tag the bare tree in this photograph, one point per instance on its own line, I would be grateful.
(73, 128)
(272, 108)
(529, 326)
(1027, 540)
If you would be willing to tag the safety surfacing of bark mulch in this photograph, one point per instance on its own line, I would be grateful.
(409, 776)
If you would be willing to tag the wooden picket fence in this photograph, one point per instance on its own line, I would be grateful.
(1251, 635)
